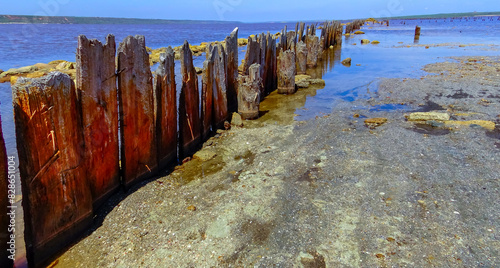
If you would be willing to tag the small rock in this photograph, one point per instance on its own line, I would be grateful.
(425, 116)
(347, 62)
(461, 46)
(374, 42)
(303, 84)
(359, 32)
(375, 122)
(317, 81)
(204, 155)
(192, 208)
(331, 47)
(227, 126)
(365, 41)
(236, 120)
(1, 71)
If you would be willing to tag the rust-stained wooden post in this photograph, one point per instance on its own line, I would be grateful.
(207, 94)
(301, 50)
(232, 70)
(166, 109)
(57, 201)
(96, 86)
(286, 72)
(220, 96)
(7, 242)
(189, 104)
(417, 34)
(312, 50)
(137, 119)
(249, 93)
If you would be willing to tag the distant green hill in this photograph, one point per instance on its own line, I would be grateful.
(93, 20)
(447, 15)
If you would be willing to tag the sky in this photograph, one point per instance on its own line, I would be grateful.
(243, 10)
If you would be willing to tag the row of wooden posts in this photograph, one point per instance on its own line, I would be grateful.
(119, 124)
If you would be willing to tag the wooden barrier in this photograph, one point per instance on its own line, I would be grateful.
(189, 103)
(96, 86)
(135, 92)
(166, 110)
(67, 138)
(57, 199)
(6, 241)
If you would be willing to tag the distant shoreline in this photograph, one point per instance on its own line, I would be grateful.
(26, 19)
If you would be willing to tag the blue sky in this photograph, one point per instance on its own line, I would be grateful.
(243, 10)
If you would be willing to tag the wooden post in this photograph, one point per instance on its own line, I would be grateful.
(220, 96)
(252, 55)
(96, 86)
(286, 72)
(249, 93)
(301, 50)
(139, 157)
(232, 70)
(7, 243)
(189, 103)
(57, 200)
(166, 109)
(417, 33)
(270, 82)
(312, 50)
(207, 94)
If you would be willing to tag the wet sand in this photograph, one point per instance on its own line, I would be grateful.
(327, 192)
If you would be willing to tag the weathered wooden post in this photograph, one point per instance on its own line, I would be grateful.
(252, 54)
(207, 94)
(270, 81)
(7, 243)
(417, 34)
(220, 96)
(286, 72)
(57, 200)
(263, 58)
(312, 50)
(166, 109)
(189, 103)
(232, 70)
(96, 86)
(301, 50)
(249, 93)
(139, 158)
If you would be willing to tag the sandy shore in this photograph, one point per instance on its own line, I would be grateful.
(329, 192)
